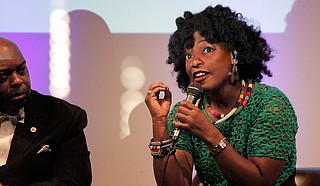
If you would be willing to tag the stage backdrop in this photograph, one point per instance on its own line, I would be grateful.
(118, 48)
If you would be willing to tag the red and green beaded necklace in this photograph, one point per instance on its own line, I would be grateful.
(243, 99)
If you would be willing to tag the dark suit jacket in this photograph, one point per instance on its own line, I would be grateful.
(54, 122)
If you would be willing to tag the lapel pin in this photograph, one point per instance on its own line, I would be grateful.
(33, 129)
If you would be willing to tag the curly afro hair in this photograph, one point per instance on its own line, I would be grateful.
(220, 25)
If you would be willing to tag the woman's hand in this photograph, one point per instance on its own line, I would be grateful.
(192, 119)
(158, 108)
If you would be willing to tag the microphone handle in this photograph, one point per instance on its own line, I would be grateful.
(192, 99)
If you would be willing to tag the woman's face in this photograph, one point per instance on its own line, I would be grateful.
(208, 64)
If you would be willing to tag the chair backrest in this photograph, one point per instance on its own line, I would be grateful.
(307, 176)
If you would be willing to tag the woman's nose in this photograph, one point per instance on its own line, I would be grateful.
(196, 63)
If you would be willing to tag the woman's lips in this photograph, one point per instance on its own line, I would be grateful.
(199, 76)
(199, 79)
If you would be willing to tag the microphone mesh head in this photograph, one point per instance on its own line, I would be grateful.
(195, 90)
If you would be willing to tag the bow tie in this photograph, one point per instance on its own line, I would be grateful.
(19, 117)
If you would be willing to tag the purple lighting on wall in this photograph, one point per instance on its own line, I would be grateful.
(34, 47)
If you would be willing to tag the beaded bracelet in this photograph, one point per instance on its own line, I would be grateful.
(162, 148)
(168, 141)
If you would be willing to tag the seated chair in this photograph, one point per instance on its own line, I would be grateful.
(307, 176)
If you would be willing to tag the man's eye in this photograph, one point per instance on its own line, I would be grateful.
(188, 56)
(207, 50)
(3, 78)
(22, 71)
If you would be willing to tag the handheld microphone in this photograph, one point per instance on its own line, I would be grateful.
(194, 95)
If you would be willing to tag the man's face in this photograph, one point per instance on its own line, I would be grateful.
(15, 83)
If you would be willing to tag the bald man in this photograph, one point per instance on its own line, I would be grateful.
(41, 137)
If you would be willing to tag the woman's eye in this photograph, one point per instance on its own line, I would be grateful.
(207, 50)
(188, 56)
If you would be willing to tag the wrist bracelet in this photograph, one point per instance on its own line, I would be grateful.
(164, 142)
(220, 147)
(160, 149)
(161, 153)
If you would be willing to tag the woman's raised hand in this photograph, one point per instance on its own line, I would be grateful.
(158, 106)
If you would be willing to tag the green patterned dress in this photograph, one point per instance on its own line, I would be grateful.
(265, 127)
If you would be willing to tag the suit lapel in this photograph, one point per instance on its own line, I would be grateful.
(25, 133)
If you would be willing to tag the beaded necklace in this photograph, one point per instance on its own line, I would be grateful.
(242, 101)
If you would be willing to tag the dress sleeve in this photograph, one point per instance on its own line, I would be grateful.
(273, 130)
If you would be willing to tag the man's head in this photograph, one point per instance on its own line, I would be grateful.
(15, 84)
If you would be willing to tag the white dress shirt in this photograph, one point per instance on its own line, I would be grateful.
(6, 135)
(7, 128)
